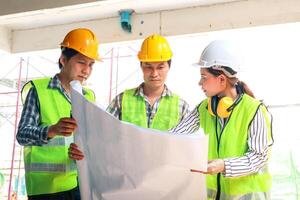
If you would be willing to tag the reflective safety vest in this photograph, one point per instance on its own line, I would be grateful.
(48, 168)
(134, 111)
(232, 142)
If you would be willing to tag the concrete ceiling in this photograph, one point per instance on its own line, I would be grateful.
(18, 15)
(30, 25)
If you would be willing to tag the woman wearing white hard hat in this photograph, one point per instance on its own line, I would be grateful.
(238, 125)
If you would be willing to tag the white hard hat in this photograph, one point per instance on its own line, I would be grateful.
(219, 54)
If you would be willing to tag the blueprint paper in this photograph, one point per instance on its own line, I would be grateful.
(126, 162)
(81, 165)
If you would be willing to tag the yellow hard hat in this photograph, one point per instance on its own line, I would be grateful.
(155, 48)
(84, 41)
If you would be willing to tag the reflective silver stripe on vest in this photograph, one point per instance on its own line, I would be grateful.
(60, 141)
(249, 196)
(211, 194)
(73, 166)
(56, 142)
(49, 167)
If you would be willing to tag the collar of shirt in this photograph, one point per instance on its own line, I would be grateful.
(55, 83)
(140, 91)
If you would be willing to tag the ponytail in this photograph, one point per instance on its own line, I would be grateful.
(241, 86)
(245, 88)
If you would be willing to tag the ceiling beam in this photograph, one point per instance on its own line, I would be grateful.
(174, 22)
(107, 30)
(5, 39)
(9, 7)
(232, 15)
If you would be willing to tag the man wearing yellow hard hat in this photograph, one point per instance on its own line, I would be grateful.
(46, 128)
(151, 104)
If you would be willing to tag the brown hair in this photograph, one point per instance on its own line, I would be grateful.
(68, 53)
(241, 86)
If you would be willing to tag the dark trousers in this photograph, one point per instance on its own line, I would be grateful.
(73, 194)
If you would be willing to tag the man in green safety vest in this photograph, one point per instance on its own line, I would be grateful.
(151, 104)
(46, 127)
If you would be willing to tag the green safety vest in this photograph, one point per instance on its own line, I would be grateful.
(48, 168)
(1, 180)
(233, 143)
(134, 111)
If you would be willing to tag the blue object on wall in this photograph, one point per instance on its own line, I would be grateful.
(125, 17)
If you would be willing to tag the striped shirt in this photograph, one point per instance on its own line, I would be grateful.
(259, 146)
(30, 132)
(115, 107)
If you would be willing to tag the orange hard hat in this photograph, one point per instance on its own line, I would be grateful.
(84, 41)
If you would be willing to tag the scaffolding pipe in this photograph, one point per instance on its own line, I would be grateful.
(19, 170)
(8, 92)
(127, 56)
(117, 73)
(111, 74)
(15, 130)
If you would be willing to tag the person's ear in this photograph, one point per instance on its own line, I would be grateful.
(141, 65)
(63, 60)
(222, 78)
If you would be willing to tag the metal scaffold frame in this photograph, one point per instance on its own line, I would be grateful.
(112, 54)
(15, 124)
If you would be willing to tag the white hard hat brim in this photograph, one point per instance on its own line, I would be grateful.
(215, 67)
